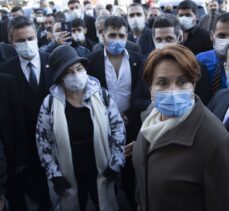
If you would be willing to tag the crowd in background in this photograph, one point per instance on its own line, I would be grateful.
(75, 85)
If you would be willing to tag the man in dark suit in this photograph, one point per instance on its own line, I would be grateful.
(219, 105)
(7, 51)
(76, 11)
(33, 77)
(139, 33)
(117, 71)
(13, 137)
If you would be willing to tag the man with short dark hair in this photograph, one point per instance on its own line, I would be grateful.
(195, 38)
(99, 25)
(33, 78)
(139, 33)
(17, 11)
(79, 31)
(117, 71)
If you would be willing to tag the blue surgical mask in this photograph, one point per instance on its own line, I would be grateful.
(173, 103)
(116, 47)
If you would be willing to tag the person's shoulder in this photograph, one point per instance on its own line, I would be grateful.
(202, 32)
(96, 54)
(205, 55)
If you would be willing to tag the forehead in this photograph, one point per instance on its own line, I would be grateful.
(168, 68)
(135, 9)
(112, 30)
(185, 11)
(222, 28)
(23, 33)
(165, 31)
(74, 4)
(211, 4)
(153, 11)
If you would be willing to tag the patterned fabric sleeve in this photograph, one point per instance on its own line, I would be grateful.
(46, 142)
(117, 137)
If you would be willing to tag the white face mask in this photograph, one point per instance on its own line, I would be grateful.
(27, 49)
(79, 36)
(186, 22)
(220, 46)
(40, 19)
(75, 82)
(136, 24)
(90, 12)
(100, 37)
(77, 13)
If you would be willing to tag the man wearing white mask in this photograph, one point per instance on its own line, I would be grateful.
(76, 11)
(213, 60)
(195, 38)
(167, 31)
(139, 33)
(89, 10)
(79, 31)
(33, 77)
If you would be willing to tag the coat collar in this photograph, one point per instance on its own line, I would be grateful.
(185, 132)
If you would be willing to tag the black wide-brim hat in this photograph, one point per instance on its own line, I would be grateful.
(63, 57)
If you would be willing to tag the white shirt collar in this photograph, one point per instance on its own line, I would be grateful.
(126, 54)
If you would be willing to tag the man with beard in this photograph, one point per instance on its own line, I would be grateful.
(46, 35)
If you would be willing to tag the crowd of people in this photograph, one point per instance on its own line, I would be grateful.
(114, 109)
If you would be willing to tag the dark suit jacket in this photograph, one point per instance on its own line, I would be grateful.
(30, 102)
(220, 103)
(91, 31)
(96, 68)
(130, 46)
(7, 51)
(145, 41)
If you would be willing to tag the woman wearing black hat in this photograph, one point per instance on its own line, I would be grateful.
(80, 135)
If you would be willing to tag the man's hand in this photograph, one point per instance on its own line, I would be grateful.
(49, 36)
(61, 37)
(125, 119)
(129, 149)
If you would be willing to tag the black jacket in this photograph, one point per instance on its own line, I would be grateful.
(12, 123)
(220, 103)
(7, 51)
(145, 41)
(3, 169)
(96, 68)
(30, 102)
(91, 31)
(198, 40)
